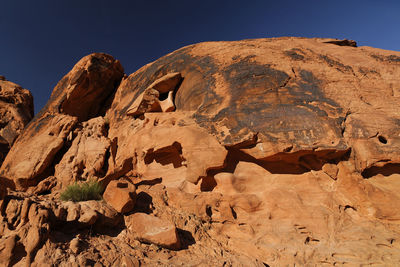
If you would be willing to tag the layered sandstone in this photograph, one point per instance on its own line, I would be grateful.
(262, 152)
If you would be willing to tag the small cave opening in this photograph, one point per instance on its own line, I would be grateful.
(382, 139)
(209, 211)
(386, 170)
(163, 96)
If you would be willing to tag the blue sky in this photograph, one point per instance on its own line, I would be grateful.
(41, 40)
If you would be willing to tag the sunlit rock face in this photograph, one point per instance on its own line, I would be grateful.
(82, 94)
(258, 152)
(16, 110)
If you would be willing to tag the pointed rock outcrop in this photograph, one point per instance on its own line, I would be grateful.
(79, 96)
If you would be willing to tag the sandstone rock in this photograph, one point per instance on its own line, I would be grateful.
(83, 91)
(149, 100)
(12, 211)
(154, 230)
(73, 211)
(174, 152)
(280, 151)
(32, 155)
(331, 169)
(25, 210)
(121, 195)
(16, 110)
(167, 83)
(126, 261)
(86, 157)
(224, 183)
(107, 217)
(44, 186)
(247, 177)
(32, 219)
(283, 113)
(96, 214)
(75, 245)
(79, 96)
(343, 42)
(33, 240)
(167, 105)
(88, 215)
(130, 261)
(6, 250)
(302, 82)
(109, 220)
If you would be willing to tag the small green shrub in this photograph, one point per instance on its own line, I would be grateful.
(106, 121)
(90, 190)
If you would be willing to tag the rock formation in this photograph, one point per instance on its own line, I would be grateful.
(82, 94)
(264, 152)
(121, 195)
(16, 110)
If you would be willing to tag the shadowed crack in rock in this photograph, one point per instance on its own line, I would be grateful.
(283, 162)
(386, 170)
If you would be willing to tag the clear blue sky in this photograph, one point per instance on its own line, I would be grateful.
(40, 40)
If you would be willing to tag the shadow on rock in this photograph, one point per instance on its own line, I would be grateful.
(144, 203)
(186, 238)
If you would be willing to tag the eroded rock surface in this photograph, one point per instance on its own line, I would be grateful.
(30, 221)
(82, 94)
(86, 157)
(158, 97)
(153, 230)
(16, 110)
(263, 152)
(33, 154)
(121, 195)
